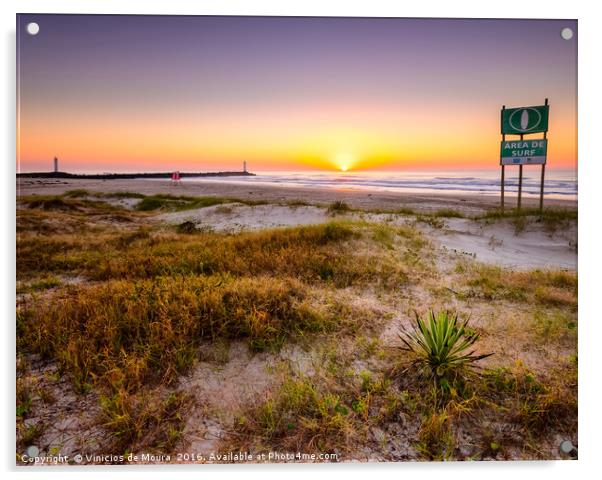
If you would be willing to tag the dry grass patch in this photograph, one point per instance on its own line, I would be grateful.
(331, 411)
(537, 403)
(543, 287)
(299, 416)
(142, 422)
(130, 333)
(334, 253)
(496, 412)
(553, 219)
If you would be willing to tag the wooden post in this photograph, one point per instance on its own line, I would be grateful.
(520, 185)
(503, 172)
(520, 181)
(543, 173)
(503, 166)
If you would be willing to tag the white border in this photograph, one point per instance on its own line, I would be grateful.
(590, 174)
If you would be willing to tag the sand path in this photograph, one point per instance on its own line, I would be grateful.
(496, 242)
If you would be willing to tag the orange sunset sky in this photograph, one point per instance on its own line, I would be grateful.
(131, 94)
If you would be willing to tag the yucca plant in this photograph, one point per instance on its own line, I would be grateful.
(441, 343)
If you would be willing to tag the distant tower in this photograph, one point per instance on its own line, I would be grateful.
(56, 164)
(244, 166)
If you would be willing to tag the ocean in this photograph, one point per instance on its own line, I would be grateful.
(558, 183)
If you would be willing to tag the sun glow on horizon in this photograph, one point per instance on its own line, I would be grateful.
(357, 105)
(344, 161)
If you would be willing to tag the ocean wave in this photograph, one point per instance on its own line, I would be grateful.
(560, 183)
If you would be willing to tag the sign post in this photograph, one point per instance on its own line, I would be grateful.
(503, 166)
(520, 185)
(543, 169)
(532, 151)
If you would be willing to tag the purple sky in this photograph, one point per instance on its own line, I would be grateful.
(103, 90)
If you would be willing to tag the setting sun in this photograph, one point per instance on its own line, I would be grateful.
(344, 161)
(382, 117)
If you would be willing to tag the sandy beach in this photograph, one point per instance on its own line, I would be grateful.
(373, 200)
(496, 242)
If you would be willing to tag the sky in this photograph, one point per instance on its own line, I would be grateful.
(113, 93)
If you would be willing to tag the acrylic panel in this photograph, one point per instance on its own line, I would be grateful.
(295, 239)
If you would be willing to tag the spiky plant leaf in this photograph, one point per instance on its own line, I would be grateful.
(442, 342)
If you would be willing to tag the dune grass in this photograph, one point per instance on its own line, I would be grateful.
(154, 419)
(550, 214)
(300, 414)
(330, 412)
(131, 333)
(149, 302)
(542, 287)
(448, 213)
(310, 253)
(176, 203)
(66, 203)
(552, 218)
(74, 199)
(338, 410)
(161, 294)
(150, 298)
(338, 207)
(43, 283)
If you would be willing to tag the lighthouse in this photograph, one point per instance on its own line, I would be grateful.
(56, 164)
(244, 166)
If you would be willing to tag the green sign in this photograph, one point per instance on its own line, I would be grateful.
(525, 119)
(524, 152)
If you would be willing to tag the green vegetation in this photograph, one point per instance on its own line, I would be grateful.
(170, 202)
(330, 412)
(150, 330)
(136, 421)
(121, 195)
(436, 439)
(43, 283)
(547, 214)
(338, 207)
(29, 435)
(65, 204)
(186, 227)
(77, 193)
(150, 298)
(309, 253)
(542, 287)
(53, 216)
(448, 213)
(298, 203)
(553, 218)
(555, 325)
(24, 393)
(338, 410)
(537, 404)
(403, 211)
(122, 309)
(301, 414)
(441, 344)
(432, 220)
